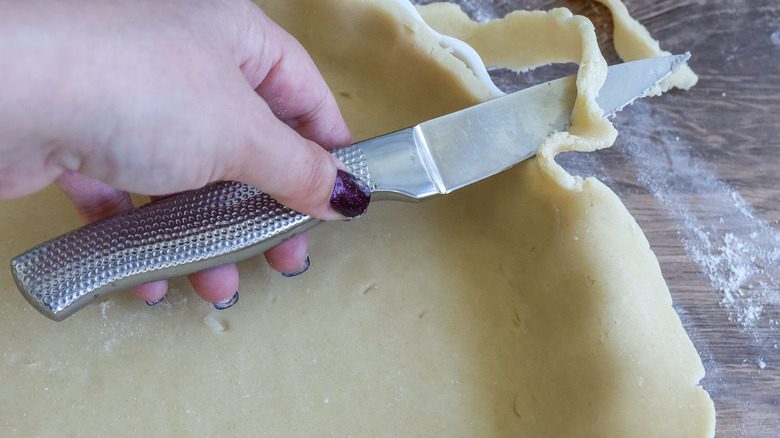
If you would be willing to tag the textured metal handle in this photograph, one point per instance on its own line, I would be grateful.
(181, 234)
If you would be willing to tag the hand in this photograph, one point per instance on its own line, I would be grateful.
(159, 97)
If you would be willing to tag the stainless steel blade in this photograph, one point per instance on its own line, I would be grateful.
(629, 81)
(464, 147)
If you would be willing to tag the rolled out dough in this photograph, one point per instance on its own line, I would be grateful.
(527, 305)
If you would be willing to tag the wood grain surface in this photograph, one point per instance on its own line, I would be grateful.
(699, 170)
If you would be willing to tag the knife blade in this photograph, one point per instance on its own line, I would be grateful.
(228, 221)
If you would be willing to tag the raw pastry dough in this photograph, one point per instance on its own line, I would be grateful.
(527, 305)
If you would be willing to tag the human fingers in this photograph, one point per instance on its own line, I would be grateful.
(296, 171)
(295, 117)
(296, 93)
(218, 285)
(94, 201)
(291, 258)
(285, 76)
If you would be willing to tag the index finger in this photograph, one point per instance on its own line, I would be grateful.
(281, 71)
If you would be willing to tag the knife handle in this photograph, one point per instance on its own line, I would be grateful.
(220, 223)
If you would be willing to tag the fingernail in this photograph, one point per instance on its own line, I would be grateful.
(225, 304)
(300, 271)
(350, 195)
(152, 303)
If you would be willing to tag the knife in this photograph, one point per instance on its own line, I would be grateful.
(228, 221)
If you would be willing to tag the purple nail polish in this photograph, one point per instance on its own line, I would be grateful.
(225, 304)
(300, 271)
(152, 303)
(350, 195)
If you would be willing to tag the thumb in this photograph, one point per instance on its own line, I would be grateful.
(295, 171)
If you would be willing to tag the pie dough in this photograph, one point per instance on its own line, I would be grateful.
(529, 304)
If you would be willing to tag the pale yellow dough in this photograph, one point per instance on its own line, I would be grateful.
(527, 305)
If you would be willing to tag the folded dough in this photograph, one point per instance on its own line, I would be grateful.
(529, 304)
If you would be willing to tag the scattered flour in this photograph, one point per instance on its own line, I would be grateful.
(119, 324)
(775, 37)
(739, 254)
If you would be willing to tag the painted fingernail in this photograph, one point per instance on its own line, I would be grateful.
(225, 304)
(300, 271)
(152, 303)
(350, 195)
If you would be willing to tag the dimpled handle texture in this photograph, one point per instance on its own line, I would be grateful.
(184, 233)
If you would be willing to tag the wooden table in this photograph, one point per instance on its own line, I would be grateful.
(700, 171)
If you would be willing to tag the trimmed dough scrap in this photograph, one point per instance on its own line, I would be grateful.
(529, 304)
